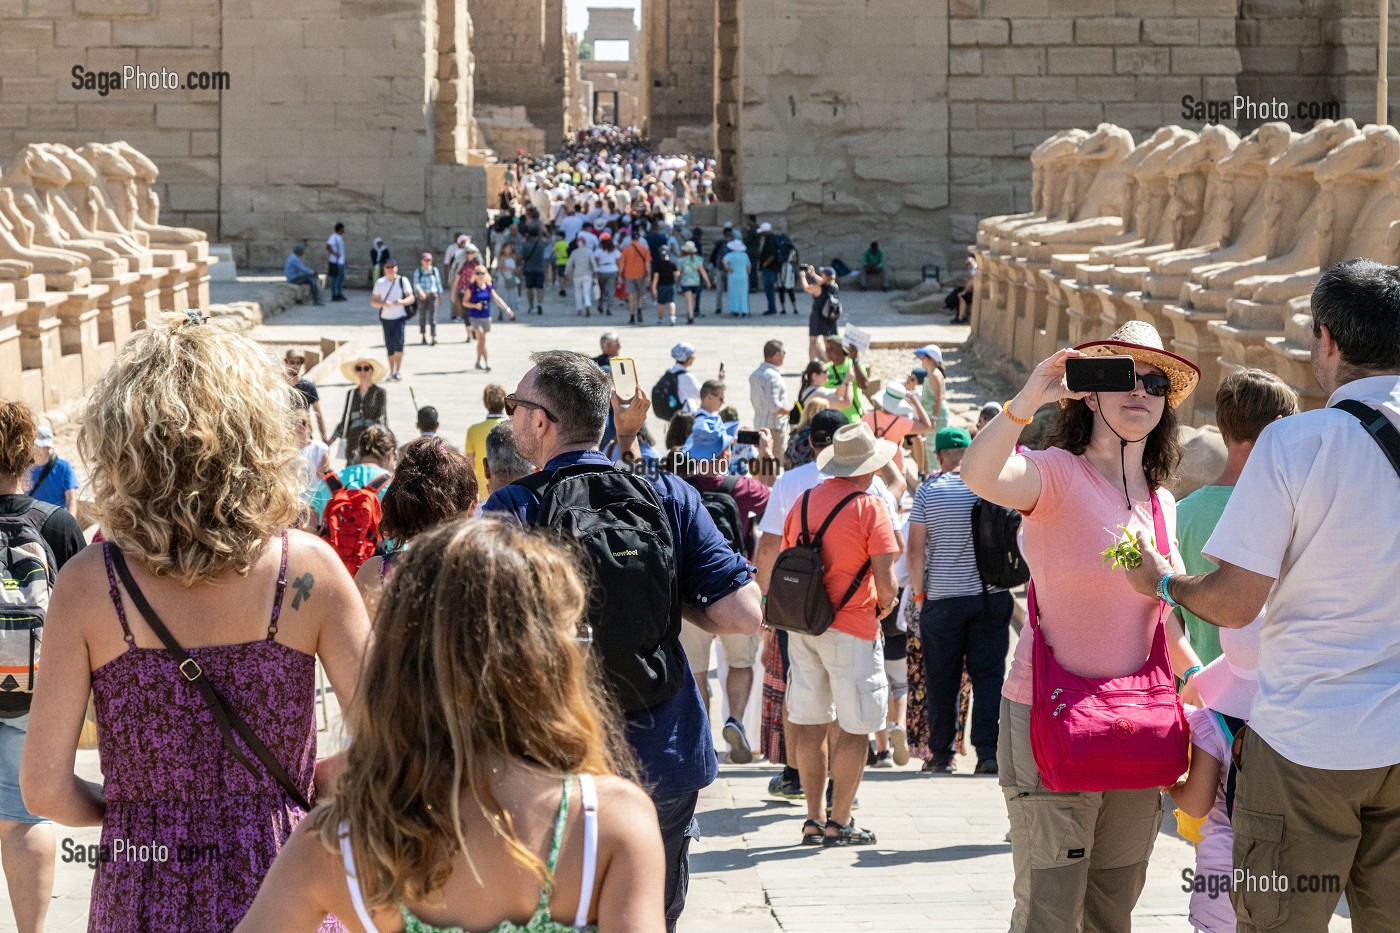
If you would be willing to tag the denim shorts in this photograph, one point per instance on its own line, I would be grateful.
(393, 334)
(665, 294)
(12, 732)
(534, 279)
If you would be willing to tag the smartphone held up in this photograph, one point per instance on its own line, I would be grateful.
(624, 376)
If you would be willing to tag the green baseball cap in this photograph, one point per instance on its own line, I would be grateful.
(951, 439)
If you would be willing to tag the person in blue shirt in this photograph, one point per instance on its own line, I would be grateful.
(52, 479)
(557, 413)
(299, 273)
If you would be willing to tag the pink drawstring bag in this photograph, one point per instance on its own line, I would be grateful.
(1108, 733)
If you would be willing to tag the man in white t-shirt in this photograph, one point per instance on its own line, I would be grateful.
(1312, 527)
(335, 263)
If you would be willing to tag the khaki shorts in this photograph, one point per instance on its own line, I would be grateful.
(739, 650)
(482, 324)
(836, 677)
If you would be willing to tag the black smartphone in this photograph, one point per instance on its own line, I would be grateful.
(747, 437)
(1100, 374)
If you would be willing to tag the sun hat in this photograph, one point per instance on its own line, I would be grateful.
(682, 352)
(1230, 683)
(710, 437)
(737, 246)
(825, 424)
(689, 247)
(952, 439)
(893, 402)
(931, 351)
(921, 374)
(427, 256)
(729, 225)
(472, 248)
(605, 235)
(1141, 341)
(348, 369)
(44, 437)
(765, 227)
(855, 451)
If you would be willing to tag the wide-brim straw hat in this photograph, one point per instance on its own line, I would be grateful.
(348, 369)
(855, 451)
(1141, 341)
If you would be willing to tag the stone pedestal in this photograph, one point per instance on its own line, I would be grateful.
(114, 316)
(145, 297)
(1193, 338)
(41, 354)
(78, 344)
(1291, 358)
(175, 293)
(11, 364)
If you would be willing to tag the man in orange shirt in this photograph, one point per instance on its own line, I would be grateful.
(840, 675)
(634, 265)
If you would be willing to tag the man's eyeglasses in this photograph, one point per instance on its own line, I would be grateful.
(1155, 384)
(512, 402)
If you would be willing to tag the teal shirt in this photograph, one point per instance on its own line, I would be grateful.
(1196, 518)
(355, 476)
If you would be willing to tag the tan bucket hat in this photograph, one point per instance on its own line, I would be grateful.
(1141, 341)
(855, 451)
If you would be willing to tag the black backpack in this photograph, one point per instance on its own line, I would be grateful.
(666, 395)
(999, 560)
(797, 598)
(724, 509)
(634, 607)
(831, 311)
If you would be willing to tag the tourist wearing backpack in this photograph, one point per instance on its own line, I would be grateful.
(963, 622)
(677, 390)
(557, 413)
(736, 504)
(845, 541)
(33, 534)
(347, 508)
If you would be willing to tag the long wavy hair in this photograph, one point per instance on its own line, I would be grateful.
(189, 439)
(478, 618)
(1073, 428)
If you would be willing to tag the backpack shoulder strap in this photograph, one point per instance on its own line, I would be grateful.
(333, 483)
(1378, 426)
(728, 484)
(378, 483)
(831, 517)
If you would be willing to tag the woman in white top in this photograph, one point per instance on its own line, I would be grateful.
(606, 257)
(581, 270)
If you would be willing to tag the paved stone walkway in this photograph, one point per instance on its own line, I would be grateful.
(942, 863)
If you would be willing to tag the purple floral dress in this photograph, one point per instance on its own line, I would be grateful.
(210, 828)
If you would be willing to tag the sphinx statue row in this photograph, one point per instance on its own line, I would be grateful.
(84, 260)
(1214, 239)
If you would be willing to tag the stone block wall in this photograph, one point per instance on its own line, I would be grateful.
(517, 61)
(679, 64)
(845, 125)
(1020, 70)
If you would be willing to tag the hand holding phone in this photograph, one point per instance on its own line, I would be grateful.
(751, 438)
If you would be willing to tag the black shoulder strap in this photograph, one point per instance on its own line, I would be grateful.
(830, 518)
(44, 473)
(225, 716)
(378, 483)
(728, 484)
(1377, 425)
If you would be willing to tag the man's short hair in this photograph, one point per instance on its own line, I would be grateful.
(340, 228)
(427, 418)
(772, 348)
(576, 391)
(712, 387)
(1358, 301)
(298, 249)
(494, 397)
(503, 456)
(1248, 401)
(607, 338)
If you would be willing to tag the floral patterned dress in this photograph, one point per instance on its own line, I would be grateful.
(189, 832)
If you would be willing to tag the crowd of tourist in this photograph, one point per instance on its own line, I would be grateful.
(521, 634)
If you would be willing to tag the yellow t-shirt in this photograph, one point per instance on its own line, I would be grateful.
(476, 449)
(561, 252)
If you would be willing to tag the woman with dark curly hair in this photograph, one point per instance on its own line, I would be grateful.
(1080, 850)
(432, 484)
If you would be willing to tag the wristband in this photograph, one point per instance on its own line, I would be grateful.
(1006, 410)
(918, 596)
(1187, 676)
(1163, 592)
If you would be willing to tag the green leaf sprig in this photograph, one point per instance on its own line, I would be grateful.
(1123, 552)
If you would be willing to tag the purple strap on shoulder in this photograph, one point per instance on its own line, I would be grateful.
(281, 589)
(384, 568)
(116, 593)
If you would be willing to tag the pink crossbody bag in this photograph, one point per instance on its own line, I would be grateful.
(1108, 733)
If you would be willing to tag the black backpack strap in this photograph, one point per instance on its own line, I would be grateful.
(333, 483)
(225, 716)
(44, 473)
(727, 485)
(378, 483)
(830, 518)
(1378, 426)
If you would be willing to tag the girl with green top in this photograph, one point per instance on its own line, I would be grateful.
(467, 802)
(843, 367)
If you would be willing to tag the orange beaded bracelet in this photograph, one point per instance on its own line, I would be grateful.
(1006, 410)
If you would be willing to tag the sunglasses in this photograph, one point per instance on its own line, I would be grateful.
(512, 403)
(364, 369)
(1155, 384)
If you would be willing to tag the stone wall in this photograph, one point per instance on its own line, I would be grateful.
(845, 125)
(621, 77)
(520, 60)
(679, 64)
(334, 109)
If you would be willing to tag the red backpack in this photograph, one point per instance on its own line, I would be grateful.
(350, 522)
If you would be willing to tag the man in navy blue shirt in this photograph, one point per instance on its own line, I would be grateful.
(557, 413)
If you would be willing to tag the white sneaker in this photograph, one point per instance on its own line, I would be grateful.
(673, 320)
(899, 746)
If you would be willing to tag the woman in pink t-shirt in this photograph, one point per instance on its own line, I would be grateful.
(1081, 857)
